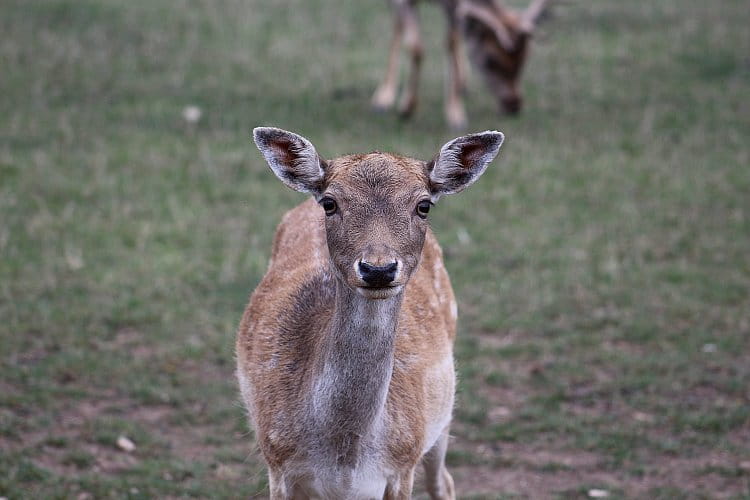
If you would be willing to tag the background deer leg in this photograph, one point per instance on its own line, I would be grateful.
(413, 42)
(437, 478)
(455, 45)
(454, 107)
(461, 64)
(385, 94)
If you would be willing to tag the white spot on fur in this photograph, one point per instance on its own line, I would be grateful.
(437, 268)
(273, 437)
(273, 362)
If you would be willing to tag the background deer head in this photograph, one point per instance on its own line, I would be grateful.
(498, 40)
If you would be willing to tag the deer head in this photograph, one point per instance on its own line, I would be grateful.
(498, 40)
(376, 205)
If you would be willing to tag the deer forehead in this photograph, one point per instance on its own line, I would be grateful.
(377, 177)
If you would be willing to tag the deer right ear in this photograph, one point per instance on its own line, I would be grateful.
(292, 158)
(461, 162)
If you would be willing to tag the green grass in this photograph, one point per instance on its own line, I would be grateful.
(602, 264)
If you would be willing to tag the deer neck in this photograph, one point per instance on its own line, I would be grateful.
(353, 371)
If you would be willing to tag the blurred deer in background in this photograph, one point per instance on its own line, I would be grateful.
(497, 37)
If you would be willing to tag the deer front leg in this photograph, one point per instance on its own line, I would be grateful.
(276, 485)
(437, 478)
(385, 94)
(454, 107)
(414, 45)
(401, 490)
(281, 489)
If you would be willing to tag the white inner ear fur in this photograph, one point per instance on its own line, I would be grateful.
(302, 159)
(448, 162)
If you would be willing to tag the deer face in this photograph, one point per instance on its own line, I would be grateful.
(376, 209)
(498, 41)
(376, 205)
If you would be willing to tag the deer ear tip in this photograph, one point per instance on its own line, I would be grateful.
(264, 136)
(495, 135)
(493, 132)
(263, 131)
(259, 133)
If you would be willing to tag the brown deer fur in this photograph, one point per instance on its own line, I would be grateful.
(497, 39)
(344, 352)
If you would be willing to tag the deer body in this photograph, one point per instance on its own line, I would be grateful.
(352, 360)
(497, 38)
(344, 353)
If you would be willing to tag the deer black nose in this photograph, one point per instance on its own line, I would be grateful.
(378, 275)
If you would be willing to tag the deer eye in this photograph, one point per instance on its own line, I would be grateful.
(329, 205)
(423, 208)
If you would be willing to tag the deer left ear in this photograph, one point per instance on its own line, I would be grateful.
(461, 162)
(292, 158)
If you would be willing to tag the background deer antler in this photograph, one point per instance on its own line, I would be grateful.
(489, 18)
(530, 16)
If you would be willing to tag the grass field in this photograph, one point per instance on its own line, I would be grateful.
(602, 264)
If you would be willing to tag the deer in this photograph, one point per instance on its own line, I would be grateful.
(498, 44)
(345, 350)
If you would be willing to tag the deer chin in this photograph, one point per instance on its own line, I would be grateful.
(379, 293)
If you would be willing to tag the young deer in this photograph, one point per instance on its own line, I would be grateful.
(497, 37)
(345, 352)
